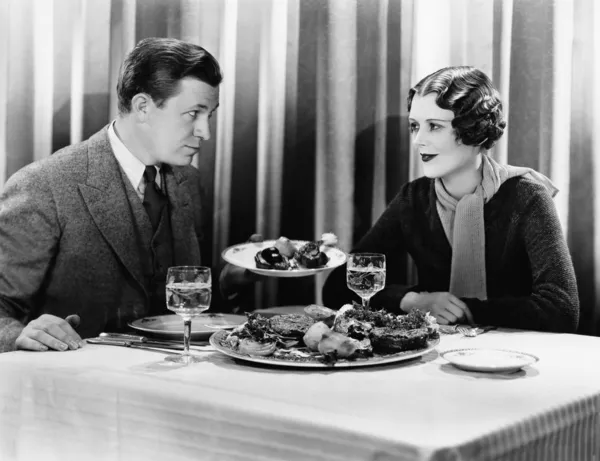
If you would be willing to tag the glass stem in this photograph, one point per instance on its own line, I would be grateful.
(187, 330)
(365, 303)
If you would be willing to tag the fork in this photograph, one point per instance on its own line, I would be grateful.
(467, 331)
(471, 332)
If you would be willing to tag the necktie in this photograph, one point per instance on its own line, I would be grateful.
(153, 198)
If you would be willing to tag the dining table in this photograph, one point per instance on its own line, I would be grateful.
(114, 403)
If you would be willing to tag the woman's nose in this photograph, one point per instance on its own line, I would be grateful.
(419, 138)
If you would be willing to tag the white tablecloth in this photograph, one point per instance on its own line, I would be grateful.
(110, 403)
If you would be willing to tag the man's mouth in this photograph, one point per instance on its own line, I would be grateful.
(427, 157)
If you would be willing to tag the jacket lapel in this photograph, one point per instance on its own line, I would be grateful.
(185, 244)
(106, 198)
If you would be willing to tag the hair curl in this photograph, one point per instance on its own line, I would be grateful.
(470, 95)
(156, 65)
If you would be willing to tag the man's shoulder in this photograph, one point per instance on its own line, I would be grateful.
(190, 179)
(76, 151)
(60, 167)
(189, 174)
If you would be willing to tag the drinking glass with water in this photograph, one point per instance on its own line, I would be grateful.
(365, 274)
(189, 290)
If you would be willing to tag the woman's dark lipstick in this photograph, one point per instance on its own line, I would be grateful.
(427, 157)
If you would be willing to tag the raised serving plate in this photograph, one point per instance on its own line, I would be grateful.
(242, 255)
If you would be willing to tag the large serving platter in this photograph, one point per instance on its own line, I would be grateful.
(242, 255)
(217, 340)
(171, 326)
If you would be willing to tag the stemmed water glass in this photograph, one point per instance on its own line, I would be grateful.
(189, 291)
(365, 274)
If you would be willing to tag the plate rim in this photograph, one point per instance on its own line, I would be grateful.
(392, 358)
(489, 368)
(278, 272)
(131, 324)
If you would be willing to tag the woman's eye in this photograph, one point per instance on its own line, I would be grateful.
(434, 127)
(413, 127)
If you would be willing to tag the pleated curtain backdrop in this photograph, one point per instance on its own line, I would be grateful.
(311, 135)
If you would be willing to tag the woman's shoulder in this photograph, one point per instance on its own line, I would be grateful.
(523, 193)
(417, 190)
(523, 188)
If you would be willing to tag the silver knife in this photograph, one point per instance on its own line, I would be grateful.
(134, 345)
(149, 345)
(144, 339)
(123, 337)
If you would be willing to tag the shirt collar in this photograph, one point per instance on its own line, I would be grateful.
(131, 165)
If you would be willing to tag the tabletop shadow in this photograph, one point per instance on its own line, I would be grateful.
(527, 372)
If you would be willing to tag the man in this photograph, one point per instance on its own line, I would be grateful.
(87, 235)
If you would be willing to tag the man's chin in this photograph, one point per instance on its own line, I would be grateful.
(182, 160)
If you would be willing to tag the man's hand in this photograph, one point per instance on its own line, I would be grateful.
(50, 332)
(444, 306)
(233, 277)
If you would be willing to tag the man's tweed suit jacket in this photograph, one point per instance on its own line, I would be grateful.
(69, 242)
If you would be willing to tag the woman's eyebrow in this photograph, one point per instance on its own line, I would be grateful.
(432, 120)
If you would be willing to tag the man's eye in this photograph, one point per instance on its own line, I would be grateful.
(193, 113)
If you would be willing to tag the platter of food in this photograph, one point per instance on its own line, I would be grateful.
(323, 338)
(287, 258)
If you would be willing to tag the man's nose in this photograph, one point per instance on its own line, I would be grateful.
(202, 128)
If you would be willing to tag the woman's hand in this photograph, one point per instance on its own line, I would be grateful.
(444, 306)
(50, 332)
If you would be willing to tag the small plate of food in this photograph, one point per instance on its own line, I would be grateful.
(323, 338)
(287, 258)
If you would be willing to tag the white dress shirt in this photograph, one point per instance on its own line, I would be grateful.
(131, 165)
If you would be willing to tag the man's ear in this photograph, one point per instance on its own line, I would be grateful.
(140, 106)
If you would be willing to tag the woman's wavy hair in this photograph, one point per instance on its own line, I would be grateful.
(156, 65)
(470, 95)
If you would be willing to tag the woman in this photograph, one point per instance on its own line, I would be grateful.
(485, 238)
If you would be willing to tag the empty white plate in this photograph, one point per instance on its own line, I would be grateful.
(488, 360)
(171, 326)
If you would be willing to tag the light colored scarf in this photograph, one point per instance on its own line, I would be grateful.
(463, 224)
